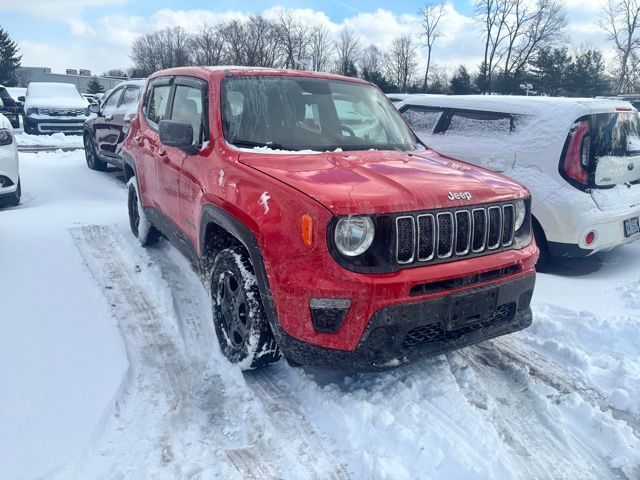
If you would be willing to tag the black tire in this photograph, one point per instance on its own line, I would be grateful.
(541, 241)
(239, 319)
(140, 225)
(12, 200)
(93, 162)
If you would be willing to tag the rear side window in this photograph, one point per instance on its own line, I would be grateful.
(188, 106)
(109, 107)
(422, 119)
(129, 102)
(480, 123)
(156, 108)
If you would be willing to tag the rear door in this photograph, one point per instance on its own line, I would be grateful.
(106, 133)
(190, 102)
(615, 155)
(155, 109)
(121, 119)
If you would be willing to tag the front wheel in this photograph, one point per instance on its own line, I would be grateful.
(141, 228)
(238, 315)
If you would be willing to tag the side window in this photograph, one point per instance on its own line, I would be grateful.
(156, 108)
(188, 106)
(484, 124)
(422, 119)
(109, 106)
(129, 102)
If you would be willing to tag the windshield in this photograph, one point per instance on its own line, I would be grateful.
(615, 134)
(300, 113)
(50, 90)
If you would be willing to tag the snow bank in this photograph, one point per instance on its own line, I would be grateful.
(58, 139)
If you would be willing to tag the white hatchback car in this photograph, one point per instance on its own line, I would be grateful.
(9, 176)
(580, 158)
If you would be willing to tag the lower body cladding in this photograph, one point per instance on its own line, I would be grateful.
(47, 126)
(9, 179)
(401, 333)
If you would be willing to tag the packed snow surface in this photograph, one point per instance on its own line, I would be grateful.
(109, 368)
(56, 140)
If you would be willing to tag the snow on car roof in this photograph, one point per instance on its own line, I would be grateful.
(519, 104)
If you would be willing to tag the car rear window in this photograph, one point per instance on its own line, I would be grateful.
(422, 119)
(615, 134)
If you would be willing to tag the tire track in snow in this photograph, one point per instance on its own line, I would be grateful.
(284, 410)
(503, 390)
(158, 423)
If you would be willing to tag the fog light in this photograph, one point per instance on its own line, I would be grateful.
(327, 314)
(589, 238)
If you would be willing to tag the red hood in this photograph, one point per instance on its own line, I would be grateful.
(383, 182)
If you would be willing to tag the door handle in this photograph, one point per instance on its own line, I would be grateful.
(161, 152)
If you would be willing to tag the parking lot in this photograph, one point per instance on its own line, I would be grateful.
(112, 368)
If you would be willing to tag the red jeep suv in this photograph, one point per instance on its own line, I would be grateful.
(327, 232)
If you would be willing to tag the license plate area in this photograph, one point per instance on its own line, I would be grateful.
(631, 226)
(468, 308)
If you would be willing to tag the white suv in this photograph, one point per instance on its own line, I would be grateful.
(580, 158)
(9, 178)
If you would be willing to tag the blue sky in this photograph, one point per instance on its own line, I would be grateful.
(97, 34)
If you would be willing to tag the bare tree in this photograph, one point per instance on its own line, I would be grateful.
(320, 48)
(372, 59)
(530, 28)
(253, 42)
(431, 14)
(294, 39)
(208, 45)
(165, 48)
(400, 62)
(492, 15)
(348, 50)
(621, 22)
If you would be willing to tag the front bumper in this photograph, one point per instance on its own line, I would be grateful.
(51, 125)
(401, 333)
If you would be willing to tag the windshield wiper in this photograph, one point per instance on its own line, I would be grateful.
(250, 144)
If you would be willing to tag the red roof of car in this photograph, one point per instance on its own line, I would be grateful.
(251, 71)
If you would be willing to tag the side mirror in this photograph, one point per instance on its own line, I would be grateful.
(21, 98)
(94, 108)
(174, 133)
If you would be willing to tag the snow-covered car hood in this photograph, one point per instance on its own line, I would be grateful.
(56, 102)
(386, 181)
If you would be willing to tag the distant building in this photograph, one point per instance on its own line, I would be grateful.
(80, 78)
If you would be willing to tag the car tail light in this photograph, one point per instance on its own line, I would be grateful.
(577, 156)
(589, 238)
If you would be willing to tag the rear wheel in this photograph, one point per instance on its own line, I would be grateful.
(141, 228)
(93, 162)
(239, 319)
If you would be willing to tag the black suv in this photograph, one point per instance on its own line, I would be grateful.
(103, 135)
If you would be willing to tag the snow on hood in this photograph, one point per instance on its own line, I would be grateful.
(56, 102)
(384, 181)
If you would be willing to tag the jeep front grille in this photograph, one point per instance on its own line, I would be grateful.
(454, 233)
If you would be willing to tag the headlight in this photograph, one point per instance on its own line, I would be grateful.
(32, 111)
(6, 138)
(521, 214)
(354, 235)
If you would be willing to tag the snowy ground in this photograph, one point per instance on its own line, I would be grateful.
(109, 369)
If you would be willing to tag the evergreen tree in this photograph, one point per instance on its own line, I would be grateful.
(549, 71)
(9, 59)
(481, 81)
(461, 82)
(94, 86)
(586, 75)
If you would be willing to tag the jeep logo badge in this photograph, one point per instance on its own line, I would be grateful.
(459, 196)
